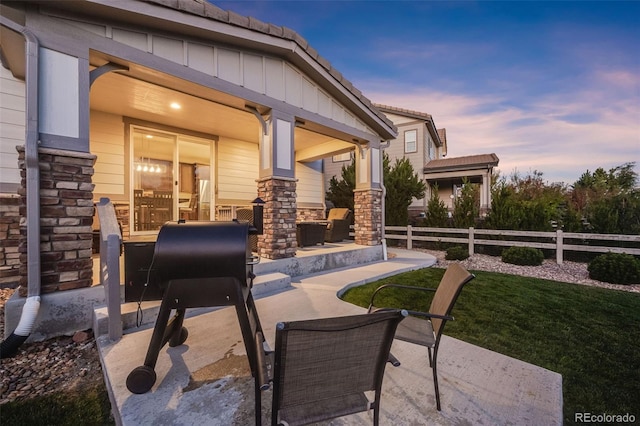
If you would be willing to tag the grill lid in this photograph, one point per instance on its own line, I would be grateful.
(192, 250)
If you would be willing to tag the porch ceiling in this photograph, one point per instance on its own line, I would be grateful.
(146, 95)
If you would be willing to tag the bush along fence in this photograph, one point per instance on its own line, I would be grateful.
(559, 241)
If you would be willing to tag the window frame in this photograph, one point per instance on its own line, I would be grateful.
(415, 141)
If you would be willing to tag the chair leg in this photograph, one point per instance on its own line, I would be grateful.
(258, 402)
(430, 358)
(434, 368)
(376, 413)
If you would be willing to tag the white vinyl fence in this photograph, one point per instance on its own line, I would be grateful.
(582, 242)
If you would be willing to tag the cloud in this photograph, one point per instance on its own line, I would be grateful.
(561, 135)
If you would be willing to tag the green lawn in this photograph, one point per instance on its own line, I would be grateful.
(589, 335)
(80, 407)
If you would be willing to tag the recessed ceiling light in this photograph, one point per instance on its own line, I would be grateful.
(149, 136)
(175, 105)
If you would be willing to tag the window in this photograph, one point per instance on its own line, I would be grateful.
(431, 149)
(342, 157)
(410, 141)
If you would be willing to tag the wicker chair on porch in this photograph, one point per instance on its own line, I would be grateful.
(322, 367)
(425, 328)
(339, 223)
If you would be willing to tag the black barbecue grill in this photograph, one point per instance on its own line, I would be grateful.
(200, 264)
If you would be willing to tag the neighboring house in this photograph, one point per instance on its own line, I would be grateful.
(449, 174)
(426, 148)
(178, 100)
(418, 140)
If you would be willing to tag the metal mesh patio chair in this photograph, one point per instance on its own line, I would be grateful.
(425, 328)
(323, 367)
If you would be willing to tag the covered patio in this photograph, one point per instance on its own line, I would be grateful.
(207, 380)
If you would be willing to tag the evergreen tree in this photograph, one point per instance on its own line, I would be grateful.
(340, 192)
(466, 206)
(609, 202)
(436, 215)
(402, 185)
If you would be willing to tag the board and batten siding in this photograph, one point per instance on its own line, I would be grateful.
(236, 171)
(12, 125)
(267, 75)
(309, 188)
(107, 143)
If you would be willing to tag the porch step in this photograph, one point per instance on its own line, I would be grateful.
(263, 285)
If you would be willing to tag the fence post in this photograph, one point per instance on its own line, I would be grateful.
(559, 247)
(409, 237)
(471, 251)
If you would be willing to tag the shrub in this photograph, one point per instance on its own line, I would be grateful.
(457, 253)
(523, 256)
(616, 268)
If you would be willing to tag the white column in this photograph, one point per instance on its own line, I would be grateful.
(276, 146)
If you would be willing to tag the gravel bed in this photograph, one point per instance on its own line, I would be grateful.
(568, 272)
(55, 365)
(66, 363)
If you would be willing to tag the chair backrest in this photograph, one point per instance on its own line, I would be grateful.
(193, 201)
(455, 277)
(330, 359)
(162, 199)
(338, 213)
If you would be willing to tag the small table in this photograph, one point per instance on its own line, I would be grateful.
(310, 233)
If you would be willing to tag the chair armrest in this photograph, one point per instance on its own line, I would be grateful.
(406, 287)
(393, 360)
(263, 358)
(428, 315)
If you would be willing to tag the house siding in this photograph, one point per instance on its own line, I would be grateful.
(107, 143)
(236, 171)
(310, 188)
(12, 125)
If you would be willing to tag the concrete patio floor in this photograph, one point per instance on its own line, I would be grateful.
(207, 380)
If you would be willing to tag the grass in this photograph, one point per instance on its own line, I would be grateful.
(90, 407)
(587, 334)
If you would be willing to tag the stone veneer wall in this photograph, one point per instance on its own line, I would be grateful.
(9, 239)
(368, 216)
(278, 240)
(66, 215)
(316, 213)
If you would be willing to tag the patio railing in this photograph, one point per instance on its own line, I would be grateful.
(559, 241)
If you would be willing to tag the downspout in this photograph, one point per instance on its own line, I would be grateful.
(9, 346)
(383, 146)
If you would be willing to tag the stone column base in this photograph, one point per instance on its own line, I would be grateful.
(278, 240)
(66, 216)
(368, 216)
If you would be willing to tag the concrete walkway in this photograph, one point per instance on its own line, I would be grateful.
(207, 381)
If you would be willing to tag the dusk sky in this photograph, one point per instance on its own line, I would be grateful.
(548, 86)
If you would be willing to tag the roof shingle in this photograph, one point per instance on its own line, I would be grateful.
(468, 162)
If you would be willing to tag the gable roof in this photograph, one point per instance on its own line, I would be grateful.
(431, 125)
(469, 162)
(207, 10)
(405, 112)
